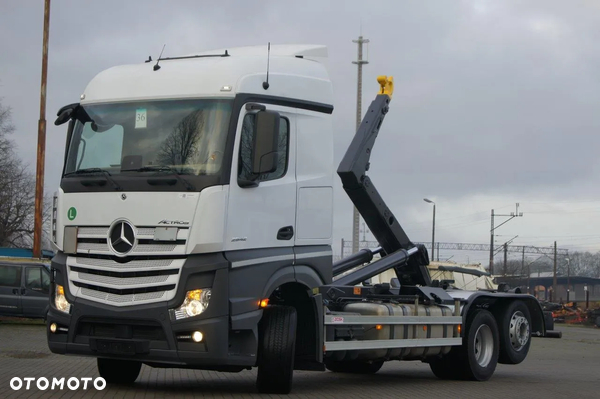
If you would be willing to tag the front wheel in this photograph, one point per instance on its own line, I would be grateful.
(119, 371)
(277, 341)
(515, 333)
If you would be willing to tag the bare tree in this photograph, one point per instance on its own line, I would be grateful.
(182, 144)
(17, 191)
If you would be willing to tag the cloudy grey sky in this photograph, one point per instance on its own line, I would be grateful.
(495, 101)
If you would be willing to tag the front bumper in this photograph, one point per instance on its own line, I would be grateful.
(145, 333)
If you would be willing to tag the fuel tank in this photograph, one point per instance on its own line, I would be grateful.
(422, 331)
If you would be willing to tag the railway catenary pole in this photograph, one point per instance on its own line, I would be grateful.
(359, 62)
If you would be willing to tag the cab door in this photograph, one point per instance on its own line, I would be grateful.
(10, 290)
(262, 215)
(35, 293)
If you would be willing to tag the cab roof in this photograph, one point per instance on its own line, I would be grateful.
(295, 71)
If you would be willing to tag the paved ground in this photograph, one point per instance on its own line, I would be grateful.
(555, 368)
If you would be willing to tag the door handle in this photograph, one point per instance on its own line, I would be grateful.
(285, 233)
(23, 291)
(15, 291)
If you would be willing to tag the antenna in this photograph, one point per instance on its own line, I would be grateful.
(157, 67)
(266, 83)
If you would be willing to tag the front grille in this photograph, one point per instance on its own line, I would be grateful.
(122, 283)
(105, 263)
(125, 291)
(130, 299)
(149, 273)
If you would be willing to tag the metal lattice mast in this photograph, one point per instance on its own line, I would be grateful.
(359, 62)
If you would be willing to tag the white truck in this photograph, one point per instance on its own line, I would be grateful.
(193, 229)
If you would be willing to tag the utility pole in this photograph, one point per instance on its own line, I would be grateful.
(41, 145)
(510, 217)
(554, 279)
(433, 231)
(491, 270)
(568, 278)
(522, 265)
(359, 62)
(505, 253)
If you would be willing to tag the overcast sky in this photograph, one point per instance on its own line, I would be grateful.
(496, 102)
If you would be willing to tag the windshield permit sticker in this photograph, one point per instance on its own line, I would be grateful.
(140, 118)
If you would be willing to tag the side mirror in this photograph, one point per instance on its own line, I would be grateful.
(266, 142)
(65, 113)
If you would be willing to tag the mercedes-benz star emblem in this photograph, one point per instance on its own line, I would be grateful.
(122, 237)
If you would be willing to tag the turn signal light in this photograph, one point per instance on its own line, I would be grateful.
(263, 303)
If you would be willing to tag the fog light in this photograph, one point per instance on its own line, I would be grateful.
(197, 336)
(53, 328)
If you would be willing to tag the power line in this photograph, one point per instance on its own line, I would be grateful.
(528, 249)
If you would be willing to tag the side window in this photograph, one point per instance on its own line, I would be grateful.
(45, 281)
(33, 278)
(10, 276)
(247, 144)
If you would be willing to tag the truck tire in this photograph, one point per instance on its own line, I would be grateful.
(480, 350)
(354, 367)
(119, 371)
(477, 357)
(276, 350)
(515, 333)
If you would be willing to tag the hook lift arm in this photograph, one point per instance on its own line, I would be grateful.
(409, 261)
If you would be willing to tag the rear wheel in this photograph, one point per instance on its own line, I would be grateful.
(355, 367)
(277, 341)
(477, 357)
(119, 371)
(515, 333)
(481, 349)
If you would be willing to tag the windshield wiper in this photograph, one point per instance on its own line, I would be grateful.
(92, 171)
(163, 168)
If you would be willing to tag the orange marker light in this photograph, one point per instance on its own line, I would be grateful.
(378, 327)
(459, 328)
(424, 328)
(264, 303)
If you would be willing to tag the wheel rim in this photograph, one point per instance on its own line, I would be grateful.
(484, 345)
(518, 331)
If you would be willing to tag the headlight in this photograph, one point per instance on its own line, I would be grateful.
(195, 303)
(60, 301)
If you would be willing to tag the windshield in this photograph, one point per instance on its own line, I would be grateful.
(187, 136)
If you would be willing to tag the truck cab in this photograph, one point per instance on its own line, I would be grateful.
(193, 189)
